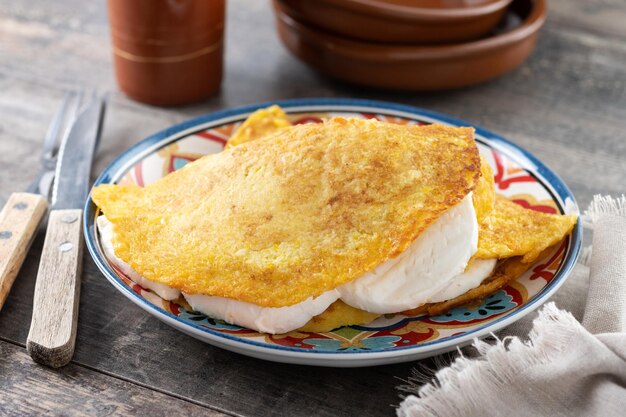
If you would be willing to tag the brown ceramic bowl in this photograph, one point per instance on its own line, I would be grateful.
(417, 68)
(400, 21)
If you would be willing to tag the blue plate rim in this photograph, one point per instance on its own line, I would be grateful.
(553, 183)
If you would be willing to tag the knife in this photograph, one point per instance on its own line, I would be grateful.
(52, 334)
(23, 212)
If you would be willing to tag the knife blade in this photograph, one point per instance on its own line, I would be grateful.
(73, 170)
(23, 212)
(52, 336)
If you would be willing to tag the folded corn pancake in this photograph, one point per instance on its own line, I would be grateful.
(281, 219)
(344, 197)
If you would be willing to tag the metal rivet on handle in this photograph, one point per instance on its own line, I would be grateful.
(5, 234)
(66, 246)
(68, 218)
(20, 206)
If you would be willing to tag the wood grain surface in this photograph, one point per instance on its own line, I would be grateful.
(566, 104)
(52, 333)
(81, 392)
(19, 222)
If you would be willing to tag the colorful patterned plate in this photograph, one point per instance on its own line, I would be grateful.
(393, 338)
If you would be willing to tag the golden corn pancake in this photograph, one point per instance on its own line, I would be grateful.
(287, 217)
(339, 314)
(260, 123)
(273, 231)
(484, 195)
(512, 230)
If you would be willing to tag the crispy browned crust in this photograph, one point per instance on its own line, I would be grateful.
(290, 216)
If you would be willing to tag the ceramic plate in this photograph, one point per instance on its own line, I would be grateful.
(392, 338)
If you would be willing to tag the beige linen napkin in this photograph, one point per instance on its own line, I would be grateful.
(548, 364)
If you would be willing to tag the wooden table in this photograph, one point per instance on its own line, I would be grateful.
(567, 105)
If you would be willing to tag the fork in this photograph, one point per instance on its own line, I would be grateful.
(23, 211)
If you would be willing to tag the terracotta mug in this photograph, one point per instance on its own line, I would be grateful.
(167, 52)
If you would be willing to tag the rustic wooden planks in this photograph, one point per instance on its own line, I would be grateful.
(29, 389)
(567, 105)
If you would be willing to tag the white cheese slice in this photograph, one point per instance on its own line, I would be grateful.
(474, 274)
(263, 319)
(428, 266)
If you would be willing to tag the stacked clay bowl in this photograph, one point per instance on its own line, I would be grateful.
(411, 45)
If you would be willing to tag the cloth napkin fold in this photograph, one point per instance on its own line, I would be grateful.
(569, 359)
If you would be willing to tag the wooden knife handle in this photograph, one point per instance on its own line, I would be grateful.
(52, 334)
(19, 221)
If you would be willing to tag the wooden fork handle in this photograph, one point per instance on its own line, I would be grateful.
(52, 334)
(19, 221)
